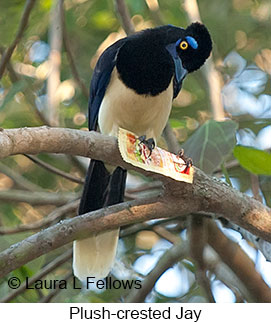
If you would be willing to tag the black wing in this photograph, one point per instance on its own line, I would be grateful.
(100, 79)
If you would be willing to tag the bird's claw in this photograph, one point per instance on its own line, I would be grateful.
(188, 161)
(149, 143)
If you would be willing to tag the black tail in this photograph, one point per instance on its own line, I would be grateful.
(102, 188)
(94, 256)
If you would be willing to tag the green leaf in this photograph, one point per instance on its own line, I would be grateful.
(17, 87)
(211, 144)
(176, 123)
(254, 160)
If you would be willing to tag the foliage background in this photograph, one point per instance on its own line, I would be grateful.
(241, 34)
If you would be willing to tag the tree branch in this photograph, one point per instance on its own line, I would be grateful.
(55, 170)
(197, 243)
(57, 290)
(125, 17)
(20, 181)
(224, 273)
(70, 57)
(43, 272)
(211, 75)
(260, 244)
(169, 258)
(155, 12)
(204, 195)
(23, 24)
(171, 140)
(37, 198)
(77, 228)
(14, 77)
(55, 215)
(239, 262)
(53, 81)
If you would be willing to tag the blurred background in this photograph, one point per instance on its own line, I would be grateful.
(46, 81)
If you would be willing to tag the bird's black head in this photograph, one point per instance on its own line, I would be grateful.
(195, 47)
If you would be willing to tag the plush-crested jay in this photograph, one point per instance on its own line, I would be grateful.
(133, 85)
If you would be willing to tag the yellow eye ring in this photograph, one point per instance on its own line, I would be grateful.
(183, 45)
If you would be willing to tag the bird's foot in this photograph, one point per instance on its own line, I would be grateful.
(149, 143)
(188, 161)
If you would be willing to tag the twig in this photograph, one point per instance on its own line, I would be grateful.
(260, 244)
(124, 14)
(197, 243)
(169, 258)
(255, 186)
(81, 167)
(165, 234)
(197, 239)
(57, 290)
(144, 187)
(27, 92)
(204, 282)
(132, 229)
(46, 221)
(55, 170)
(227, 165)
(19, 180)
(225, 274)
(22, 26)
(171, 140)
(43, 272)
(155, 11)
(240, 263)
(209, 72)
(30, 98)
(53, 81)
(72, 64)
(37, 198)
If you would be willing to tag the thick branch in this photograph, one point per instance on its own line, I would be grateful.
(240, 264)
(204, 195)
(80, 227)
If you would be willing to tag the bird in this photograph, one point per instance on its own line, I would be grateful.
(132, 87)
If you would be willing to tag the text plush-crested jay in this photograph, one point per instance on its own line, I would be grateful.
(133, 85)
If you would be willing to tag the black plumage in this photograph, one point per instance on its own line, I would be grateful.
(144, 64)
(147, 67)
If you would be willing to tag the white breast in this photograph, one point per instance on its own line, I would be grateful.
(123, 107)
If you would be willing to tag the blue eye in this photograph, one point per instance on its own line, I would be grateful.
(192, 42)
